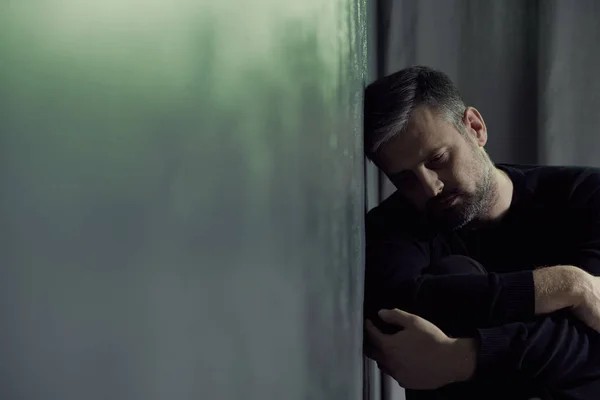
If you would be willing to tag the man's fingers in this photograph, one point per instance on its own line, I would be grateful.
(372, 352)
(375, 354)
(374, 334)
(397, 317)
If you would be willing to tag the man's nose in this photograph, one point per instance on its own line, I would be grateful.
(430, 182)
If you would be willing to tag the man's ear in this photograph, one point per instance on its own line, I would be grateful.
(475, 126)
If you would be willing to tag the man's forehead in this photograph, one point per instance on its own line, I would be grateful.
(426, 126)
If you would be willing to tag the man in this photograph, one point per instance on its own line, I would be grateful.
(487, 272)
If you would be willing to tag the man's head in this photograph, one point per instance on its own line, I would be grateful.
(430, 145)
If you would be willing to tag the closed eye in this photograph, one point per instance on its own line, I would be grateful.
(438, 159)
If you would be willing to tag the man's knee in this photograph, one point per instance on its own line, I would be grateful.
(456, 264)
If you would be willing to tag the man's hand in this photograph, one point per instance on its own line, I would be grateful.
(420, 356)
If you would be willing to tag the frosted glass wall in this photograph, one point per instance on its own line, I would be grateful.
(181, 199)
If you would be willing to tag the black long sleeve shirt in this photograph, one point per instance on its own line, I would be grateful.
(554, 219)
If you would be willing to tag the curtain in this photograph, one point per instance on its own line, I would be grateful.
(530, 67)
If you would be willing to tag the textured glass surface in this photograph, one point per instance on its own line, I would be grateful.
(181, 203)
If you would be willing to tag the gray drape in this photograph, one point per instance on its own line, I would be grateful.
(530, 67)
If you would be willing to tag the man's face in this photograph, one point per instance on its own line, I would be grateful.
(443, 173)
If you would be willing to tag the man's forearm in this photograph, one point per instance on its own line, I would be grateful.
(544, 349)
(558, 287)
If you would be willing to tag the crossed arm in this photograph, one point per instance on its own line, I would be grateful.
(463, 302)
(499, 311)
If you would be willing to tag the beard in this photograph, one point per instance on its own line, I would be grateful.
(466, 207)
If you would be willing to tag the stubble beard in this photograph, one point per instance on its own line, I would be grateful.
(472, 206)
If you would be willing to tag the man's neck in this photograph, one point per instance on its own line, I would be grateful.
(498, 202)
(503, 195)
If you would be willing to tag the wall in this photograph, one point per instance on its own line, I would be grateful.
(182, 199)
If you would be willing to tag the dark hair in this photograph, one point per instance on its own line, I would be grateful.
(390, 101)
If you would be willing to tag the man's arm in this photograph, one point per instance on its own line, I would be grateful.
(394, 279)
(558, 287)
(421, 356)
(554, 351)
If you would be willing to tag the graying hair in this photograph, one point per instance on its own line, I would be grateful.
(390, 101)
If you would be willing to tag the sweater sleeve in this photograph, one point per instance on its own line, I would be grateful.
(394, 279)
(556, 352)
